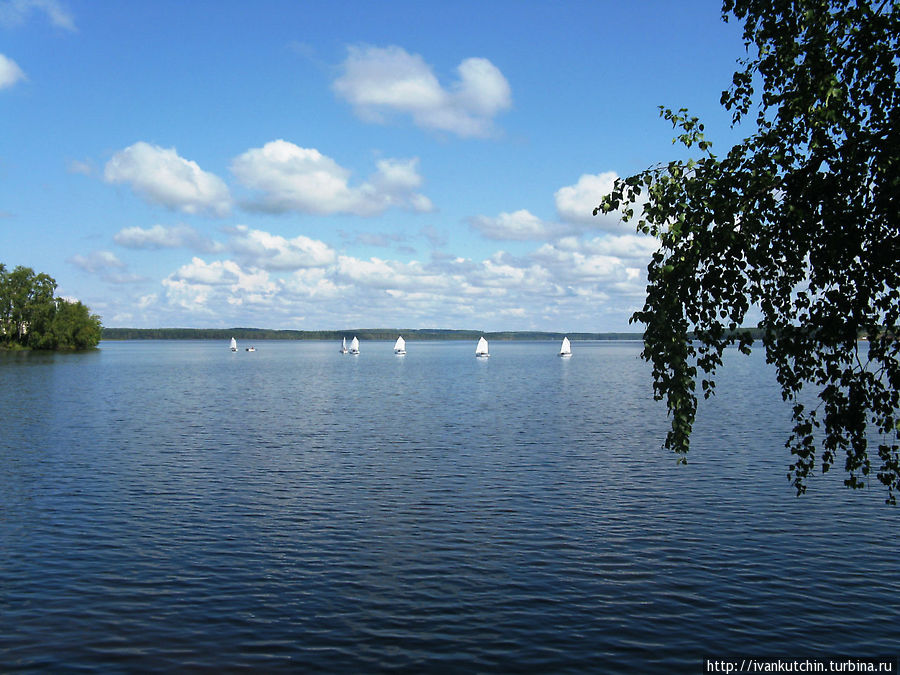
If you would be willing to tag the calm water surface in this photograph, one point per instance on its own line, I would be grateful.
(174, 506)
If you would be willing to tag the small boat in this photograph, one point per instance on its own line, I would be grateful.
(481, 351)
(354, 347)
(565, 350)
(343, 345)
(400, 346)
(233, 345)
(251, 349)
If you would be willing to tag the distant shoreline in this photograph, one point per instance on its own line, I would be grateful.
(414, 334)
(361, 333)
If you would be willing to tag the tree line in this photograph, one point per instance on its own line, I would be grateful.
(32, 317)
(361, 333)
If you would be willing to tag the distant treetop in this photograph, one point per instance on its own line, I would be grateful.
(32, 318)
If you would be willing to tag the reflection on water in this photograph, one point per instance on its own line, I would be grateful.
(173, 505)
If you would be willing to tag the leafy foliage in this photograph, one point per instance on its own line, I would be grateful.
(31, 317)
(799, 222)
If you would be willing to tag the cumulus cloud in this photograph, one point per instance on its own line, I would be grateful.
(291, 178)
(209, 288)
(219, 272)
(16, 12)
(161, 236)
(576, 203)
(632, 247)
(10, 73)
(259, 249)
(379, 81)
(569, 283)
(615, 263)
(521, 225)
(161, 176)
(574, 208)
(530, 291)
(313, 284)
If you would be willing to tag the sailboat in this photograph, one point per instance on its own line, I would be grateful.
(400, 346)
(354, 346)
(233, 345)
(343, 345)
(481, 351)
(565, 350)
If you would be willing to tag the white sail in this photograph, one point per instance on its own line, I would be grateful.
(354, 346)
(482, 349)
(400, 346)
(565, 349)
(343, 345)
(233, 345)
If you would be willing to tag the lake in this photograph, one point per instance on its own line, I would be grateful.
(171, 506)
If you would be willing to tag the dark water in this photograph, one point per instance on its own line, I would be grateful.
(172, 506)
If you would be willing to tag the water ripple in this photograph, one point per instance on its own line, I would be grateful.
(169, 506)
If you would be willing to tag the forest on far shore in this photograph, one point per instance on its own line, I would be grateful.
(412, 334)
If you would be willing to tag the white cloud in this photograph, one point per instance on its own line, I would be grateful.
(219, 272)
(97, 261)
(633, 247)
(160, 176)
(10, 73)
(106, 265)
(161, 236)
(294, 178)
(574, 208)
(280, 282)
(211, 288)
(256, 248)
(375, 272)
(15, 12)
(576, 203)
(291, 178)
(379, 81)
(196, 298)
(521, 225)
(313, 284)
(606, 261)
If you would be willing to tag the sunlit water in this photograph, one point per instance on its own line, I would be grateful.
(175, 506)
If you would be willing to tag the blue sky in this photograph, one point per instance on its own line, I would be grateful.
(320, 165)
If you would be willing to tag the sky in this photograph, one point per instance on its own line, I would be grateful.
(324, 165)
